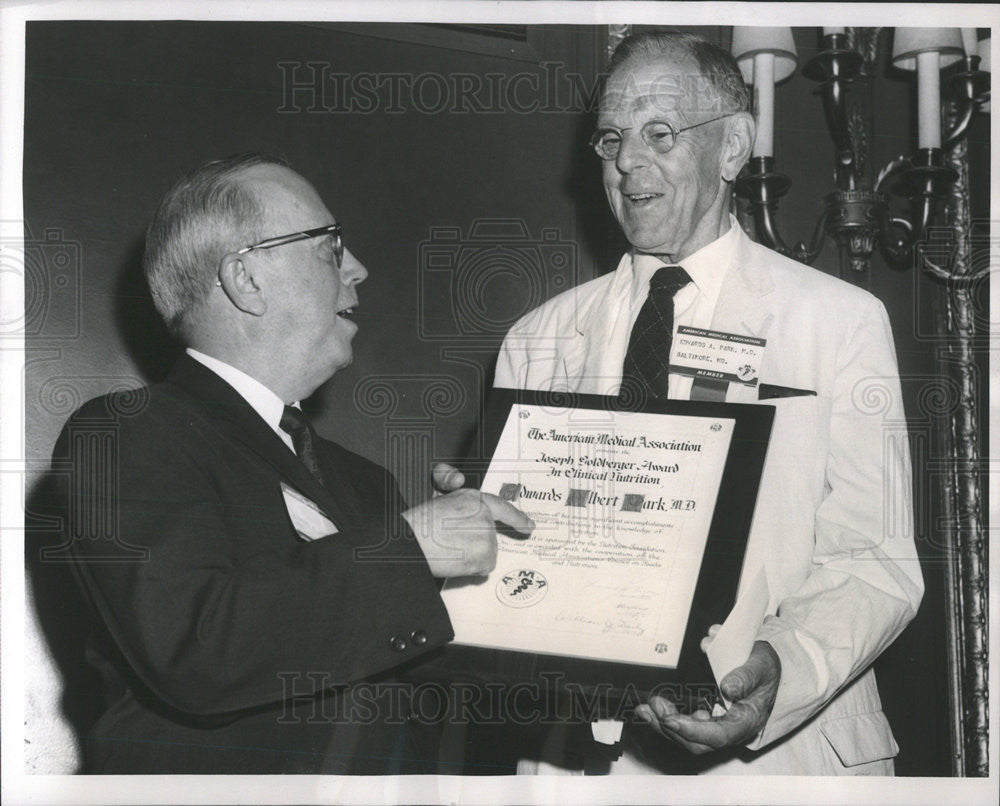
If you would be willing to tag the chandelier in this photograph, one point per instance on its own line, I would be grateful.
(856, 213)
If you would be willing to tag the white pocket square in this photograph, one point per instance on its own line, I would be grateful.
(307, 518)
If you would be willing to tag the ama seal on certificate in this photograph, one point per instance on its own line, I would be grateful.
(522, 588)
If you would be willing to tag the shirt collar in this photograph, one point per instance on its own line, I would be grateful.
(263, 401)
(707, 267)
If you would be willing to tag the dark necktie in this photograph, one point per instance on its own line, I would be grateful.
(297, 426)
(648, 355)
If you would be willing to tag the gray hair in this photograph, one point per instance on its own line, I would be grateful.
(716, 66)
(206, 214)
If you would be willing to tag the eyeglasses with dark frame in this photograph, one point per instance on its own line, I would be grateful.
(657, 134)
(330, 229)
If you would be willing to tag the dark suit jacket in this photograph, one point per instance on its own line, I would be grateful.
(226, 642)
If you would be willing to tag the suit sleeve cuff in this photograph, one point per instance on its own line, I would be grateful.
(797, 694)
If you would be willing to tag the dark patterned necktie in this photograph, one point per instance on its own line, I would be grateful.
(648, 355)
(297, 426)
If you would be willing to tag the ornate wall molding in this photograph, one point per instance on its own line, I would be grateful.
(967, 586)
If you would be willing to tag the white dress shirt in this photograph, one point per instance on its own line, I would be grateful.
(261, 399)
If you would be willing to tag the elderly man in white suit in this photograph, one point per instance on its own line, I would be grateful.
(832, 531)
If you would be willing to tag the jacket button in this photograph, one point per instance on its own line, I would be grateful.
(397, 643)
(419, 637)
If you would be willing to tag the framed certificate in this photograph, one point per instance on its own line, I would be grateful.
(642, 517)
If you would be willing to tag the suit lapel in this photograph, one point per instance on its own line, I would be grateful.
(604, 333)
(743, 306)
(235, 418)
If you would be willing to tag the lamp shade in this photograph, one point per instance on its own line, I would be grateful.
(908, 43)
(748, 42)
(970, 41)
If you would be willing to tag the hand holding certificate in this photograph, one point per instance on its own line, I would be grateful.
(752, 688)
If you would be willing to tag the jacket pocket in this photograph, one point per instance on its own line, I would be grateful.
(860, 738)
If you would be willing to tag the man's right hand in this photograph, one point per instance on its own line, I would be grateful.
(457, 532)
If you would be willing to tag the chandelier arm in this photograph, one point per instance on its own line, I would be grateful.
(807, 254)
(936, 271)
(950, 278)
(943, 274)
(970, 88)
(897, 247)
(926, 182)
(944, 271)
(834, 67)
(762, 186)
(967, 115)
(836, 120)
(764, 221)
(938, 268)
(925, 205)
(890, 169)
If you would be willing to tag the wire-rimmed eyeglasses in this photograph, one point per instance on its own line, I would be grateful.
(657, 134)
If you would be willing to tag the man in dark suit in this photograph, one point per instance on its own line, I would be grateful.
(255, 586)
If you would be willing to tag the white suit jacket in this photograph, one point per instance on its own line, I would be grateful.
(833, 526)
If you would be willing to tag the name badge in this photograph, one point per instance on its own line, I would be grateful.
(307, 518)
(716, 355)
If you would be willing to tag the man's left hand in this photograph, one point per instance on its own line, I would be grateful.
(751, 688)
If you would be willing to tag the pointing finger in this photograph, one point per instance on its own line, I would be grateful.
(507, 513)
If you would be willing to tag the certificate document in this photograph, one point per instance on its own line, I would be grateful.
(623, 503)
